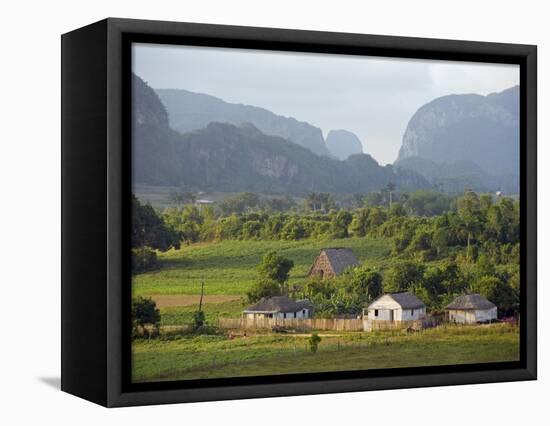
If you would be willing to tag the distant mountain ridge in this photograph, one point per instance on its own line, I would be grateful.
(342, 144)
(236, 158)
(189, 111)
(481, 129)
(225, 157)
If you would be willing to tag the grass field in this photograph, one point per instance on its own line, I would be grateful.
(228, 270)
(219, 356)
(229, 267)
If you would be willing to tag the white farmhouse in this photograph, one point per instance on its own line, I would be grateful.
(279, 307)
(402, 306)
(471, 309)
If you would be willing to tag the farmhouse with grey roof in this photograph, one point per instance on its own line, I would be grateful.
(332, 262)
(401, 306)
(471, 309)
(279, 307)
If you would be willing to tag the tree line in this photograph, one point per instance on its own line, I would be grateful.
(471, 242)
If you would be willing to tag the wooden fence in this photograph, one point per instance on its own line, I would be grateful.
(372, 325)
(292, 323)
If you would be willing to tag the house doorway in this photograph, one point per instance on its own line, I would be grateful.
(391, 314)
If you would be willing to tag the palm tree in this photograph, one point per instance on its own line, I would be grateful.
(312, 200)
(390, 188)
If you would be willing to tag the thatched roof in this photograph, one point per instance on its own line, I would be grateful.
(271, 305)
(404, 299)
(340, 258)
(470, 301)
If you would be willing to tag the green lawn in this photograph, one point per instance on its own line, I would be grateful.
(219, 356)
(181, 315)
(229, 267)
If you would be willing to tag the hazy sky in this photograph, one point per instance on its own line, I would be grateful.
(370, 96)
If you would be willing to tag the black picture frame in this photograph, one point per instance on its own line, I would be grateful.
(95, 211)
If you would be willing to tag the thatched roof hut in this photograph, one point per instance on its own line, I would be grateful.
(332, 262)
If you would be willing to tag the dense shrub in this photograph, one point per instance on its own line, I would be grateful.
(314, 341)
(143, 259)
(264, 287)
(145, 312)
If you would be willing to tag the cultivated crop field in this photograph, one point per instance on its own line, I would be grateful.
(228, 270)
(264, 354)
(229, 267)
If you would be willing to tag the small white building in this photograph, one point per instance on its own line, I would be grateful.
(279, 307)
(401, 306)
(471, 309)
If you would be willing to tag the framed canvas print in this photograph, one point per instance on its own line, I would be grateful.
(253, 212)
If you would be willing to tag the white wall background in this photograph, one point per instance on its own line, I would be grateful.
(30, 196)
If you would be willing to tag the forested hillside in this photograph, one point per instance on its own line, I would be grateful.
(438, 247)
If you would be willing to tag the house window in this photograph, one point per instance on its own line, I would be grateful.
(376, 312)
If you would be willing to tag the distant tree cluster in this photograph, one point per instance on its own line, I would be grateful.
(273, 274)
(247, 202)
(149, 229)
(344, 294)
(473, 239)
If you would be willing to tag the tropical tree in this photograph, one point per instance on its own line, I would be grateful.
(275, 267)
(469, 214)
(497, 291)
(148, 229)
(360, 222)
(320, 201)
(402, 275)
(264, 287)
(313, 201)
(339, 224)
(145, 312)
(366, 283)
(390, 187)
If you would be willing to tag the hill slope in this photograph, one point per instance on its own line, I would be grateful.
(225, 157)
(192, 111)
(481, 129)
